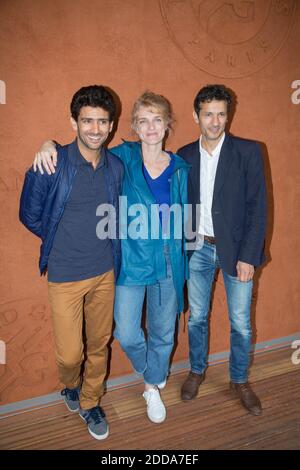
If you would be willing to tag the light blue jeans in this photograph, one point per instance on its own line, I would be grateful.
(149, 356)
(203, 265)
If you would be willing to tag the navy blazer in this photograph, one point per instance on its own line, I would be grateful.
(239, 204)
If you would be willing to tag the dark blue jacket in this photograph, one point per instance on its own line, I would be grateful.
(239, 205)
(44, 198)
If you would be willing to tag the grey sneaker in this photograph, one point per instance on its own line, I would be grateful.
(71, 398)
(96, 422)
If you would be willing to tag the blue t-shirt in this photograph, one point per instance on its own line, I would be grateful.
(77, 253)
(160, 188)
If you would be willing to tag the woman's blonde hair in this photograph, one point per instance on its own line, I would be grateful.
(155, 103)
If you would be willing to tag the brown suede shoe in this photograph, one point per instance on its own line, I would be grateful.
(247, 397)
(190, 387)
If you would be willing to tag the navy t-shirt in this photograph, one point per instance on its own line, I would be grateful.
(77, 253)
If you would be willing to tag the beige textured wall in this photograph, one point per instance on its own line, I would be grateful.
(50, 48)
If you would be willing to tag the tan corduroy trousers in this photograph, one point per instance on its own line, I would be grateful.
(83, 309)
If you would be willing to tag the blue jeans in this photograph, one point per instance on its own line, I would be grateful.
(203, 265)
(150, 356)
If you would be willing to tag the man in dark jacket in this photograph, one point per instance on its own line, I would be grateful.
(227, 185)
(61, 209)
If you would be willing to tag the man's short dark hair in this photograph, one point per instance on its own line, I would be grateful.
(96, 96)
(212, 92)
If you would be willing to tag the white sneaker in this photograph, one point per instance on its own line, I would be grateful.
(156, 410)
(162, 384)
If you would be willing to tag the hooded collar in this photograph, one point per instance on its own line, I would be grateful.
(136, 152)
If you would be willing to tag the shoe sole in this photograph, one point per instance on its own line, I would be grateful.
(185, 400)
(99, 438)
(96, 436)
(157, 421)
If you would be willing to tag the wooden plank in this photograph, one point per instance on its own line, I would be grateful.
(214, 420)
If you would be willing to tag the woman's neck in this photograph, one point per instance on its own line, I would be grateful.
(152, 153)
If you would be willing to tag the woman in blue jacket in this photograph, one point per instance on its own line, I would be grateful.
(154, 260)
(154, 264)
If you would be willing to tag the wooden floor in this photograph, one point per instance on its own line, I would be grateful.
(212, 421)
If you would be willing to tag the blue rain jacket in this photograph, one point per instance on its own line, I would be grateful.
(143, 260)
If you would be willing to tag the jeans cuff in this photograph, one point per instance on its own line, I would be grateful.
(239, 381)
(198, 371)
(139, 373)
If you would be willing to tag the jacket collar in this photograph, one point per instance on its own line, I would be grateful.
(78, 160)
(136, 153)
(136, 171)
(194, 175)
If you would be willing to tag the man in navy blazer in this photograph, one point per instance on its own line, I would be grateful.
(228, 197)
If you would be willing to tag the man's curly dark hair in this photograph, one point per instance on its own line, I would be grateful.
(212, 92)
(96, 96)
